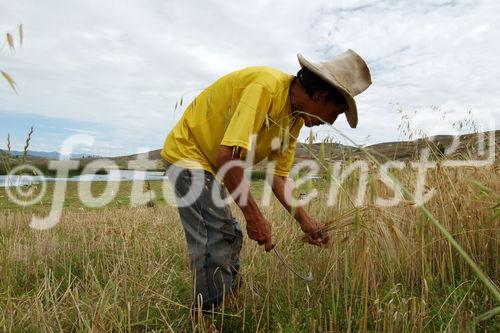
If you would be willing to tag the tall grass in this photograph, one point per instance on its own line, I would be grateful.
(388, 269)
(8, 161)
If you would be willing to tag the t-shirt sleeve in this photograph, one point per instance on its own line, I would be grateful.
(284, 159)
(248, 117)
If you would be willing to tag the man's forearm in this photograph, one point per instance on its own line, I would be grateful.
(235, 178)
(257, 226)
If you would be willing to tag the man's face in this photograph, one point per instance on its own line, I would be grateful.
(318, 112)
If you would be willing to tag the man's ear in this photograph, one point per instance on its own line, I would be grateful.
(320, 95)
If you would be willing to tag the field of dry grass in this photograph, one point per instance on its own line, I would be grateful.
(388, 269)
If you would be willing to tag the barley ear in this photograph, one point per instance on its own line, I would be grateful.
(8, 156)
(311, 139)
(322, 152)
(21, 34)
(10, 41)
(10, 80)
(27, 144)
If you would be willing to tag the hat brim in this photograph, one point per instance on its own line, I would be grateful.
(352, 111)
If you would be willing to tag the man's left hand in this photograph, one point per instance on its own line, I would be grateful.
(314, 236)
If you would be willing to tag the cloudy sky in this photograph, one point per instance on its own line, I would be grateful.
(115, 69)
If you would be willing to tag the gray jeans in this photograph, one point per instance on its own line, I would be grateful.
(213, 236)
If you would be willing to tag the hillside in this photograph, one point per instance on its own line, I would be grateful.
(398, 150)
(401, 150)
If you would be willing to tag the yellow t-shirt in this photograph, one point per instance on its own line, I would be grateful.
(253, 100)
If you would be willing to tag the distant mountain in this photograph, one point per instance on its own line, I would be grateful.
(51, 155)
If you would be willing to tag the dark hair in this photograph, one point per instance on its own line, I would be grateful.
(313, 83)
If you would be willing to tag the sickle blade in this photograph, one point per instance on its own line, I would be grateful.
(307, 278)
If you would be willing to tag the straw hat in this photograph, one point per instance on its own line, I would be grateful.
(348, 73)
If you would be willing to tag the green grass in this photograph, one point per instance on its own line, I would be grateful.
(122, 198)
(72, 200)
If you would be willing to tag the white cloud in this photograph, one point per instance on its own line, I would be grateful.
(125, 64)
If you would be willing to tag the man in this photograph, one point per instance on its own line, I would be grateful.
(216, 130)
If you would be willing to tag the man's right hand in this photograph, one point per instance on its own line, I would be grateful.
(259, 230)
